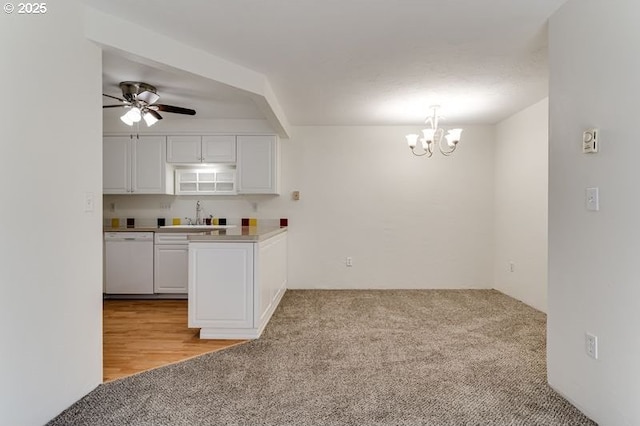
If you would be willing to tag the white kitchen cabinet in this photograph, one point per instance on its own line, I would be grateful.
(271, 278)
(171, 268)
(221, 285)
(135, 165)
(257, 164)
(211, 181)
(219, 149)
(201, 149)
(234, 287)
(116, 165)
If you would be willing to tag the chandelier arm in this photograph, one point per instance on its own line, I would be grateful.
(444, 151)
(427, 152)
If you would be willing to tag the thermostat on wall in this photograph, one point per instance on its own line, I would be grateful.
(590, 141)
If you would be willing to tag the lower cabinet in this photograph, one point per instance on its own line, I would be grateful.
(234, 287)
(171, 259)
(171, 269)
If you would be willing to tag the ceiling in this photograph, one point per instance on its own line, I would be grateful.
(351, 62)
(209, 98)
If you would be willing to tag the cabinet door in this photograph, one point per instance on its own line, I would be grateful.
(149, 170)
(219, 149)
(257, 164)
(184, 149)
(221, 285)
(170, 272)
(116, 165)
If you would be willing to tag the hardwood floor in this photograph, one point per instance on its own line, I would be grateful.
(142, 334)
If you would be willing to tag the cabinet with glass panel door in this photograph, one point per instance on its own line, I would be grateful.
(206, 181)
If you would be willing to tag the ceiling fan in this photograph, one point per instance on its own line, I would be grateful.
(140, 100)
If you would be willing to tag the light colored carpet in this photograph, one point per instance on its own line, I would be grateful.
(430, 357)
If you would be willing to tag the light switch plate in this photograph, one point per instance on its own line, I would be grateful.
(591, 345)
(592, 199)
(88, 202)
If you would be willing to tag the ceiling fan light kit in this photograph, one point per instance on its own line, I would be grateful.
(434, 135)
(140, 98)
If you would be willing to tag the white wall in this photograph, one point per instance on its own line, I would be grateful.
(50, 249)
(593, 256)
(407, 222)
(521, 191)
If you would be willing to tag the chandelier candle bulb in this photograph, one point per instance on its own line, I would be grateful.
(453, 137)
(412, 140)
(428, 134)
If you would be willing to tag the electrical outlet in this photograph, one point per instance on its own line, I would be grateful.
(591, 345)
(348, 261)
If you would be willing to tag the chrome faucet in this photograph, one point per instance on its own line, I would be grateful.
(198, 213)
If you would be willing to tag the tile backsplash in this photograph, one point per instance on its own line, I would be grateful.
(147, 210)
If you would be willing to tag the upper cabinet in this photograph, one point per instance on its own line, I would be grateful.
(201, 149)
(219, 149)
(135, 165)
(146, 164)
(257, 164)
(205, 181)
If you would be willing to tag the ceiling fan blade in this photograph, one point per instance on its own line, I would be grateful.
(113, 97)
(148, 97)
(174, 109)
(113, 106)
(155, 114)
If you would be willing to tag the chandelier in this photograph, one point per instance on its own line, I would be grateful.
(434, 136)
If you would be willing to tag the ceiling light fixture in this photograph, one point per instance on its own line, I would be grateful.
(134, 114)
(149, 119)
(126, 120)
(434, 136)
(137, 113)
(139, 99)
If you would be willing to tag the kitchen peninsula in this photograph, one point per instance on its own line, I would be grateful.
(237, 278)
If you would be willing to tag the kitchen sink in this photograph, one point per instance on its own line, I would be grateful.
(200, 227)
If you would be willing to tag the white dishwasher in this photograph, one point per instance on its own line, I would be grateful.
(128, 262)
